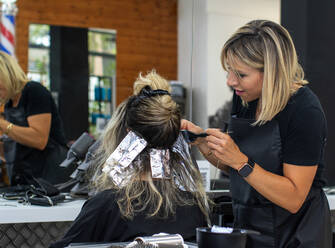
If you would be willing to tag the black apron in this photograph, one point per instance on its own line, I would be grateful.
(25, 162)
(310, 227)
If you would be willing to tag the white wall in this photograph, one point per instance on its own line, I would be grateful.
(224, 17)
(193, 55)
(203, 28)
(207, 24)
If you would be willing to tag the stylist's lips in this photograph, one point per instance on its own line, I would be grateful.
(239, 92)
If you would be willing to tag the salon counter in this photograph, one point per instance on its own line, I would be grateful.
(14, 212)
(35, 226)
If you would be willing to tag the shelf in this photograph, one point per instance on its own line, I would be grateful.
(101, 102)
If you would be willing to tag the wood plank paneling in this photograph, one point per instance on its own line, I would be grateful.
(146, 32)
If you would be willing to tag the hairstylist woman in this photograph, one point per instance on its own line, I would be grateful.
(274, 149)
(34, 144)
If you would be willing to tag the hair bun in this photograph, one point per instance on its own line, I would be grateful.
(151, 80)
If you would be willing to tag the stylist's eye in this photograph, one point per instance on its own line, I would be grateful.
(241, 75)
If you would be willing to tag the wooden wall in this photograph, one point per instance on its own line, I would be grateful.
(146, 32)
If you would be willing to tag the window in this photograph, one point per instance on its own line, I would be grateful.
(39, 54)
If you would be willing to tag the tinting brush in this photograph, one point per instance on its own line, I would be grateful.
(190, 137)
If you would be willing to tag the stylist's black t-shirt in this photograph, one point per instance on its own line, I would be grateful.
(303, 129)
(35, 99)
(100, 220)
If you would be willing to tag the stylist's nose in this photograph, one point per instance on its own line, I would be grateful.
(232, 79)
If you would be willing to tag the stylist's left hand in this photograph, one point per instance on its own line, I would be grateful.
(225, 149)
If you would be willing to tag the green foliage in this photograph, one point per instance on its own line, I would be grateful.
(38, 33)
(41, 65)
(101, 42)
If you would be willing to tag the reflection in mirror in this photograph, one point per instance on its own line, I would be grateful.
(102, 69)
(101, 60)
(38, 54)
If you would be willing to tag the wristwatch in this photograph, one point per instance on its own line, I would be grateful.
(247, 168)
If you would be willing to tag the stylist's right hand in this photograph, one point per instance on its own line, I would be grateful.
(225, 149)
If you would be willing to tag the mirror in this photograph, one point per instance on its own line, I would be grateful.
(68, 60)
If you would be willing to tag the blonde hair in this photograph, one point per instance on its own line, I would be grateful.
(152, 79)
(267, 47)
(157, 119)
(11, 76)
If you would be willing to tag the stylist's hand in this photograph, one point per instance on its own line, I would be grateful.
(3, 123)
(187, 125)
(225, 149)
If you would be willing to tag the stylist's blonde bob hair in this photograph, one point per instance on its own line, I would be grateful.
(12, 76)
(267, 47)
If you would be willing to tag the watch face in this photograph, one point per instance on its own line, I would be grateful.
(245, 170)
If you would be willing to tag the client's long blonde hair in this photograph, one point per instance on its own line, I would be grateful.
(157, 119)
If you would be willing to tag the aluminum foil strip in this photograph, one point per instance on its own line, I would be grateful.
(127, 150)
(121, 178)
(182, 148)
(159, 162)
(118, 163)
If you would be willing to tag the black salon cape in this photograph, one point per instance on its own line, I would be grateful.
(100, 221)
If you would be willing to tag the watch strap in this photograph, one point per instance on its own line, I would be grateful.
(251, 162)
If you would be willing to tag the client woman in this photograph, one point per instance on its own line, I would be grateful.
(145, 179)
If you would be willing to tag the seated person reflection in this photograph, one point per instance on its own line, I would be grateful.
(34, 144)
(145, 180)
